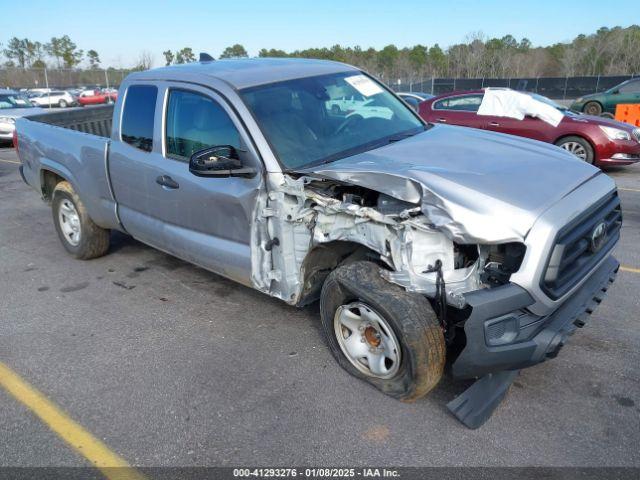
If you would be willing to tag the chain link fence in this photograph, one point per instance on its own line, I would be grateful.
(558, 88)
(59, 78)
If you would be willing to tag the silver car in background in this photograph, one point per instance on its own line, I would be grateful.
(13, 105)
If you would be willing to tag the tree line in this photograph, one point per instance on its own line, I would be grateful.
(609, 51)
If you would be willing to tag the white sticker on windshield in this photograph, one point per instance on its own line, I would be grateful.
(364, 85)
(19, 101)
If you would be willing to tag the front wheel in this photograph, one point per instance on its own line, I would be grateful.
(578, 146)
(62, 104)
(380, 333)
(593, 108)
(79, 235)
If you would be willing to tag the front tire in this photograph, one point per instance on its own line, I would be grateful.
(79, 235)
(577, 146)
(381, 333)
(62, 104)
(593, 108)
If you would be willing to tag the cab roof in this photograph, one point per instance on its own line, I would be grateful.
(246, 72)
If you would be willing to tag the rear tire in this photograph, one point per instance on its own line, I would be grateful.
(387, 314)
(79, 235)
(578, 146)
(593, 108)
(62, 104)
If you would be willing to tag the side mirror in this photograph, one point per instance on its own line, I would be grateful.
(219, 161)
(615, 92)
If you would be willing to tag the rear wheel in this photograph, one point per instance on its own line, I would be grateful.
(79, 235)
(593, 108)
(62, 104)
(577, 146)
(380, 333)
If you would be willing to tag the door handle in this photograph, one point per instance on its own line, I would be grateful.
(494, 124)
(167, 181)
(442, 120)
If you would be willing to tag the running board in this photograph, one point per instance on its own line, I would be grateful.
(475, 405)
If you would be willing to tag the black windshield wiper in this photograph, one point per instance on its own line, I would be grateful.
(403, 135)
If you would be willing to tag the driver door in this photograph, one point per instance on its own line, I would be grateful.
(204, 220)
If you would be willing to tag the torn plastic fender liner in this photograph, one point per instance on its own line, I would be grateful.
(301, 219)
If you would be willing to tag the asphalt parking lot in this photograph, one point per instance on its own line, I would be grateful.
(170, 365)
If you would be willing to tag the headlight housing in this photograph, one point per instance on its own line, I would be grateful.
(7, 120)
(578, 100)
(615, 133)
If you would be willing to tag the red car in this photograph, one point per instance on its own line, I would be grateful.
(98, 97)
(596, 140)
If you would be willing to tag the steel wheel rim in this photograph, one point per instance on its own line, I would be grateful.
(593, 110)
(357, 328)
(69, 222)
(575, 148)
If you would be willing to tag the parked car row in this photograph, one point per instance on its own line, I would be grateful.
(12, 106)
(45, 97)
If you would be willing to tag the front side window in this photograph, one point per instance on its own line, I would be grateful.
(631, 87)
(195, 122)
(464, 103)
(314, 120)
(138, 115)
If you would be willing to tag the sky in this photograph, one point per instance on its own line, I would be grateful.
(120, 30)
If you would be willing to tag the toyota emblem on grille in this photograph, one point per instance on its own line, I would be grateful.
(598, 237)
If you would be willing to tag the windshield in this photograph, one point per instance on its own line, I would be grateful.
(548, 101)
(13, 100)
(309, 121)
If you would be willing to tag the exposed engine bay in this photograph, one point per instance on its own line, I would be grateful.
(316, 223)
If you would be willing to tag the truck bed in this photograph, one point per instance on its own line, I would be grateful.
(74, 145)
(93, 120)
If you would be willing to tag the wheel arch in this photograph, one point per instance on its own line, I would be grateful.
(48, 181)
(324, 258)
(583, 137)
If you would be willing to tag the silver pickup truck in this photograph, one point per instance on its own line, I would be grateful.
(423, 243)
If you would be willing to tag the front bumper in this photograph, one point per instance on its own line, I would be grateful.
(501, 335)
(622, 152)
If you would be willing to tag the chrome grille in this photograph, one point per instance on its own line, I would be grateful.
(636, 133)
(574, 253)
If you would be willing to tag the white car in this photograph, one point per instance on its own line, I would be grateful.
(365, 107)
(56, 98)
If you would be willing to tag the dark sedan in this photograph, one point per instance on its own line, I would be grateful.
(596, 140)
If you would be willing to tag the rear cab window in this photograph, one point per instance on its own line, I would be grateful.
(138, 114)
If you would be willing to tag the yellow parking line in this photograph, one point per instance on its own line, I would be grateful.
(18, 163)
(630, 269)
(112, 466)
(629, 189)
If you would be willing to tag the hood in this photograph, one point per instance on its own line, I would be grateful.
(20, 112)
(590, 96)
(606, 122)
(476, 186)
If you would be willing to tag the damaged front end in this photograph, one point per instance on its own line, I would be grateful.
(307, 226)
(314, 224)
